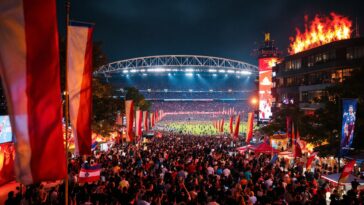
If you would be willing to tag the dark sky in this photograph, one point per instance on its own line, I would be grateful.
(223, 28)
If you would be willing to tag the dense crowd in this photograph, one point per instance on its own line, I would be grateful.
(195, 95)
(180, 169)
(200, 106)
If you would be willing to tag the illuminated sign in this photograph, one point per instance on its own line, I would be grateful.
(265, 86)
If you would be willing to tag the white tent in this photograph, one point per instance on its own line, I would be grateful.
(334, 178)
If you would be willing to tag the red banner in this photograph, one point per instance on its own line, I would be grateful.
(79, 82)
(129, 110)
(222, 126)
(231, 125)
(249, 127)
(237, 124)
(30, 71)
(138, 123)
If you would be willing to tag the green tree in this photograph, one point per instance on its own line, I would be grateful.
(139, 100)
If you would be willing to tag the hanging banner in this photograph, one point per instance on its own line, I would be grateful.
(138, 123)
(129, 110)
(231, 125)
(237, 123)
(348, 124)
(249, 127)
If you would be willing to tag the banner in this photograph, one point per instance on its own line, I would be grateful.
(151, 119)
(145, 121)
(30, 71)
(249, 127)
(138, 123)
(346, 172)
(348, 124)
(310, 160)
(231, 125)
(129, 110)
(237, 124)
(79, 82)
(222, 126)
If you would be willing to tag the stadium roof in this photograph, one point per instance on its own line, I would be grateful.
(178, 63)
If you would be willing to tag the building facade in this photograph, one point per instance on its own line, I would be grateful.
(302, 78)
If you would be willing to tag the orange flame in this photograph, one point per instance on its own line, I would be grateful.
(321, 30)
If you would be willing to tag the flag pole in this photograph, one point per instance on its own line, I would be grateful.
(68, 5)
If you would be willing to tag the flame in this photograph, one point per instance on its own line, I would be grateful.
(321, 30)
(272, 62)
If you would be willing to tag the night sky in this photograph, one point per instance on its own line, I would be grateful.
(222, 28)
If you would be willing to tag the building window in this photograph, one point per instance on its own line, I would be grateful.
(354, 53)
(293, 64)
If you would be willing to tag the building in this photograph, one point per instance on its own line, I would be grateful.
(268, 55)
(301, 78)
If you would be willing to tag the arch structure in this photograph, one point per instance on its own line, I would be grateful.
(178, 63)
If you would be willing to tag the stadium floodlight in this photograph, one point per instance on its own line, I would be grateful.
(211, 90)
(157, 70)
(142, 70)
(231, 71)
(189, 74)
(189, 70)
(214, 75)
(222, 71)
(190, 90)
(244, 72)
(145, 74)
(125, 71)
(212, 70)
(133, 70)
(230, 90)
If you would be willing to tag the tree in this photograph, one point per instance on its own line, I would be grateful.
(139, 100)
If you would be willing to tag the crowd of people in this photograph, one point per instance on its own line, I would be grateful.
(197, 128)
(200, 106)
(184, 169)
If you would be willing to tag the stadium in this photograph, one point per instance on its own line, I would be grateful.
(189, 89)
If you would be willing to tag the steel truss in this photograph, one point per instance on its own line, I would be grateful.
(202, 63)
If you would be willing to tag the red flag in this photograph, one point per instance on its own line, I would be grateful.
(346, 171)
(138, 123)
(237, 124)
(156, 115)
(152, 118)
(309, 161)
(249, 127)
(222, 126)
(231, 125)
(145, 121)
(89, 173)
(297, 149)
(79, 78)
(129, 110)
(30, 71)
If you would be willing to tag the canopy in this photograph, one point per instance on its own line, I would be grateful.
(335, 178)
(264, 148)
